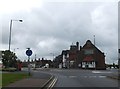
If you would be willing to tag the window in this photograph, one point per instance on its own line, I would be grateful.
(88, 52)
(91, 62)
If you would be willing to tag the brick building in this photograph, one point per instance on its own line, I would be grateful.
(91, 57)
(86, 57)
(37, 63)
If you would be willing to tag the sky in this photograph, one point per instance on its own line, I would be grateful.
(50, 26)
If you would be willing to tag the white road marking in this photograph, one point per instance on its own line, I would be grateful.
(101, 72)
(72, 76)
(102, 76)
(85, 76)
(52, 83)
(93, 76)
(56, 70)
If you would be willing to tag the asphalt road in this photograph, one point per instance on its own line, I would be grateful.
(83, 78)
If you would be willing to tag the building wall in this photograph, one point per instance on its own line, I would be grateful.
(76, 56)
(100, 58)
(94, 52)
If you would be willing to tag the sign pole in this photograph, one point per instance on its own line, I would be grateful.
(29, 53)
(29, 65)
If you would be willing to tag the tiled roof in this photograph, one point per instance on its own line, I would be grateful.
(88, 59)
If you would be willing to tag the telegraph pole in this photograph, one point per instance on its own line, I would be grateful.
(94, 39)
(95, 59)
(119, 63)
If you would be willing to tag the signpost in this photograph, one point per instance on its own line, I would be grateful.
(119, 63)
(29, 53)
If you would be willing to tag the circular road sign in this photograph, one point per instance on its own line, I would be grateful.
(29, 52)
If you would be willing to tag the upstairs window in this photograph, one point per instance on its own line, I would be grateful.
(88, 52)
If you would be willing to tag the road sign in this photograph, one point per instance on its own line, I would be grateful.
(29, 52)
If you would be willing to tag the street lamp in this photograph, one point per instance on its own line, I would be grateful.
(10, 31)
(119, 59)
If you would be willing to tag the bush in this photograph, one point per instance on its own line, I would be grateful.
(9, 69)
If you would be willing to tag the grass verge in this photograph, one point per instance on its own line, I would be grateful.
(0, 80)
(8, 78)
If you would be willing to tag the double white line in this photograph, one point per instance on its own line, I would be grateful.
(52, 83)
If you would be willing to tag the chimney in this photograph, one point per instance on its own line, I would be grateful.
(77, 44)
(80, 47)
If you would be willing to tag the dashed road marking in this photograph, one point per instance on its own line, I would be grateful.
(72, 76)
(84, 76)
(56, 70)
(101, 72)
(93, 76)
(102, 76)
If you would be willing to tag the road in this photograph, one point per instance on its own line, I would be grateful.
(83, 78)
(37, 74)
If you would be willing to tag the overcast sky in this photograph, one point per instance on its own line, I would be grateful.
(50, 26)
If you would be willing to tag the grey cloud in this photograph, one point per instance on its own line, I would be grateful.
(57, 25)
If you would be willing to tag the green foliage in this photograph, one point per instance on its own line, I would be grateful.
(112, 65)
(9, 59)
(9, 69)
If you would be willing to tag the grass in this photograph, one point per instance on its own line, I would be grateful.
(0, 80)
(8, 78)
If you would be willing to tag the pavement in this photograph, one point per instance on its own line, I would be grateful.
(37, 81)
(114, 75)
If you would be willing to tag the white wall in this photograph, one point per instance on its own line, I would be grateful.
(89, 65)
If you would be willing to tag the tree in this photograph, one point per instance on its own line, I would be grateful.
(113, 65)
(9, 58)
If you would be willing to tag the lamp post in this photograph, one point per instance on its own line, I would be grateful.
(119, 60)
(10, 31)
(119, 63)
